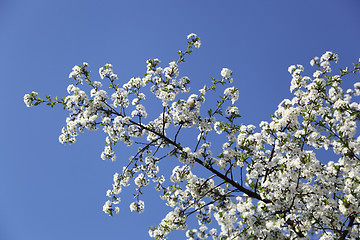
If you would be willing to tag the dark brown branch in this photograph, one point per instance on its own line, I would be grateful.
(210, 168)
(351, 218)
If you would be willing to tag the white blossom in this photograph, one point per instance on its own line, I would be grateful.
(226, 73)
(233, 93)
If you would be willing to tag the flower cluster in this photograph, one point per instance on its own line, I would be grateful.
(194, 39)
(268, 183)
(226, 73)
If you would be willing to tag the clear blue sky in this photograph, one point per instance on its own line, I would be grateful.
(52, 191)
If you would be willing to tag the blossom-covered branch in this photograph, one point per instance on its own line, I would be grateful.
(263, 184)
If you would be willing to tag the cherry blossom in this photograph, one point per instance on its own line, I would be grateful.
(264, 183)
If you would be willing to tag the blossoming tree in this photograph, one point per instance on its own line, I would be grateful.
(265, 184)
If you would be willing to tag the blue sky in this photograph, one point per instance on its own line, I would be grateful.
(52, 191)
